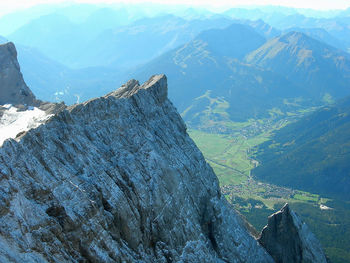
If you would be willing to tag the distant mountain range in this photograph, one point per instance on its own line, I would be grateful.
(227, 71)
(311, 154)
(337, 26)
(117, 178)
(210, 71)
(240, 65)
(236, 74)
(321, 35)
(109, 42)
(142, 40)
(316, 66)
(53, 81)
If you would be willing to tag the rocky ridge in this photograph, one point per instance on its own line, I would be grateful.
(288, 239)
(116, 179)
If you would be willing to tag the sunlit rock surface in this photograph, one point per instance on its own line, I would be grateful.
(116, 179)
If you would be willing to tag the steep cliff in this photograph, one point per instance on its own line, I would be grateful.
(116, 179)
(19, 109)
(12, 89)
(288, 239)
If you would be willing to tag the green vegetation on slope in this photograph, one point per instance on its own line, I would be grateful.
(232, 158)
(314, 153)
(305, 61)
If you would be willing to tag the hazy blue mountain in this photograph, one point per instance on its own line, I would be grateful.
(263, 28)
(77, 13)
(12, 21)
(284, 22)
(321, 35)
(62, 40)
(210, 83)
(311, 154)
(143, 40)
(234, 41)
(338, 26)
(102, 41)
(49, 32)
(43, 75)
(318, 67)
(52, 81)
(275, 14)
(3, 40)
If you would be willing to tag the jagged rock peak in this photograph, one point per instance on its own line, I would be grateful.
(116, 179)
(157, 84)
(288, 239)
(13, 90)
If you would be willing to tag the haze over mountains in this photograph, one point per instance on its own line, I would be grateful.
(131, 203)
(250, 73)
(319, 68)
(125, 38)
(111, 44)
(219, 53)
(237, 78)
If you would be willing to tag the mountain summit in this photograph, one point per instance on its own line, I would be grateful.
(305, 61)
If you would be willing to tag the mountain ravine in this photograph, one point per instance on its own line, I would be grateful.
(117, 179)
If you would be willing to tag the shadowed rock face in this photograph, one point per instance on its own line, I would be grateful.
(13, 90)
(288, 239)
(116, 179)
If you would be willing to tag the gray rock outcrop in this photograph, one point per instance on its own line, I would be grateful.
(289, 240)
(13, 89)
(116, 179)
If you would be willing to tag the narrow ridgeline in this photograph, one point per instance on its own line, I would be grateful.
(116, 179)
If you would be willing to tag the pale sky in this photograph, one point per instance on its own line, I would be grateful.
(12, 5)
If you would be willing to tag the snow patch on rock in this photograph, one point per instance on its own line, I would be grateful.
(14, 121)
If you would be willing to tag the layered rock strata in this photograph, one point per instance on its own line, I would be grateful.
(116, 179)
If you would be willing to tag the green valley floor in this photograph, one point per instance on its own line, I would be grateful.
(232, 158)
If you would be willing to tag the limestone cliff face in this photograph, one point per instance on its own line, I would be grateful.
(13, 90)
(116, 179)
(289, 240)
